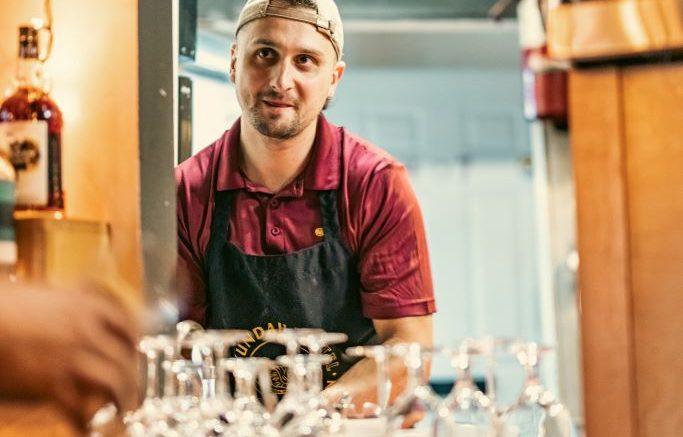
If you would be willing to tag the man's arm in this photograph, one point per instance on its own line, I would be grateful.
(360, 382)
(190, 282)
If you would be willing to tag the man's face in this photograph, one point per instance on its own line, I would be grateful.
(284, 71)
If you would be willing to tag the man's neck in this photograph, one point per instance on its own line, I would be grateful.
(274, 163)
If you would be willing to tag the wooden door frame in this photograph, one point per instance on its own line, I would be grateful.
(605, 285)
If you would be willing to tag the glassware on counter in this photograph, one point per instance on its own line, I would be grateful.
(467, 407)
(537, 412)
(418, 407)
(187, 390)
(380, 355)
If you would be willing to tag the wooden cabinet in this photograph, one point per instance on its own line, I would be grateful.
(626, 116)
(627, 140)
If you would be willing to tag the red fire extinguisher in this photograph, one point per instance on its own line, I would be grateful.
(545, 79)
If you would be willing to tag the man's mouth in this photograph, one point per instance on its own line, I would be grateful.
(278, 104)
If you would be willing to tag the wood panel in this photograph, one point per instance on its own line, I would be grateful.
(653, 98)
(590, 30)
(28, 419)
(603, 244)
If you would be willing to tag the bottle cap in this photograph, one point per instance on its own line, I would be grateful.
(28, 41)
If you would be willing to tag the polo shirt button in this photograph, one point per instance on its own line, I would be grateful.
(274, 203)
(276, 231)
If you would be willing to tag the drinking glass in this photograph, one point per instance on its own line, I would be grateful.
(250, 417)
(418, 407)
(537, 412)
(304, 410)
(468, 408)
(380, 355)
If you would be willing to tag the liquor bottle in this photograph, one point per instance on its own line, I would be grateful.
(30, 130)
(8, 245)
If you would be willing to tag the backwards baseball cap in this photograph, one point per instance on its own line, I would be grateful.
(325, 17)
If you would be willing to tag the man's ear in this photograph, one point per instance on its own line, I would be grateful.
(233, 60)
(337, 74)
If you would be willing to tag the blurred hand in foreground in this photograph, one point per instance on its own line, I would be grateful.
(72, 348)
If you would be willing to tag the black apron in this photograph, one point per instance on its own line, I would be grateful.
(316, 287)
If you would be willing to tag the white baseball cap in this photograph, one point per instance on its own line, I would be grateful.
(325, 17)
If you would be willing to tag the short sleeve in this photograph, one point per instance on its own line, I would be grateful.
(189, 279)
(393, 258)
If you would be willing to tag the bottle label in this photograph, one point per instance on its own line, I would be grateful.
(6, 210)
(24, 143)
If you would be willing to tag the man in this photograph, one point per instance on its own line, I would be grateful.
(288, 220)
(75, 350)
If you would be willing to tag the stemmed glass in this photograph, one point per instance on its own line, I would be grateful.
(304, 411)
(468, 408)
(537, 412)
(215, 344)
(141, 422)
(380, 355)
(250, 417)
(303, 406)
(319, 344)
(418, 406)
(212, 348)
(312, 338)
(171, 413)
(315, 340)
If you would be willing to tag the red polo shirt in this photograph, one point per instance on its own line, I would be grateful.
(378, 212)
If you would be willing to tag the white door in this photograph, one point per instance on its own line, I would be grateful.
(461, 132)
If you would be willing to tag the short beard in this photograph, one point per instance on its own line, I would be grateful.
(268, 129)
(271, 129)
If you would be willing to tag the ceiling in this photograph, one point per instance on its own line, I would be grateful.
(389, 32)
(372, 9)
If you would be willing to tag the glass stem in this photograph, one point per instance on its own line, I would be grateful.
(244, 381)
(415, 374)
(169, 377)
(296, 386)
(152, 375)
(383, 382)
(315, 377)
(463, 370)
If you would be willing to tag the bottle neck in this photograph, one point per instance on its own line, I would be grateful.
(30, 74)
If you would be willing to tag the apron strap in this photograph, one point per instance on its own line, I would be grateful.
(221, 216)
(329, 213)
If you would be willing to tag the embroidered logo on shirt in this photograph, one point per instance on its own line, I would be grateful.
(319, 232)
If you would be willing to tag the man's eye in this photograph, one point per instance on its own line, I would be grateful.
(305, 59)
(264, 53)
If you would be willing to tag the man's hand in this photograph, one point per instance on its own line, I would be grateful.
(360, 382)
(75, 349)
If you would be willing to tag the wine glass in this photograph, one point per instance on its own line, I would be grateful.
(220, 341)
(537, 412)
(151, 410)
(418, 407)
(291, 338)
(304, 411)
(380, 355)
(250, 418)
(316, 341)
(469, 410)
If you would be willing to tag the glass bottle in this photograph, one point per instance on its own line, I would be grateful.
(8, 245)
(30, 129)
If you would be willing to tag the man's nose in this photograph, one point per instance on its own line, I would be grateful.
(283, 76)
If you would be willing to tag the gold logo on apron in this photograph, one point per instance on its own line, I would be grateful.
(319, 232)
(278, 376)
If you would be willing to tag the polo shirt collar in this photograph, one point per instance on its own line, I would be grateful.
(321, 173)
